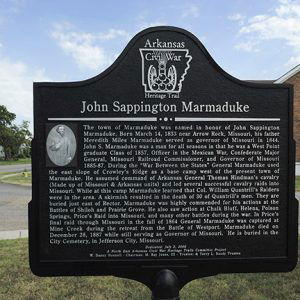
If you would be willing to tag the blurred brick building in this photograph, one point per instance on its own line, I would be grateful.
(293, 77)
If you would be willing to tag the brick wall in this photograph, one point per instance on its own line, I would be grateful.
(295, 80)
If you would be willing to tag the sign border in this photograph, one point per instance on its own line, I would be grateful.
(145, 270)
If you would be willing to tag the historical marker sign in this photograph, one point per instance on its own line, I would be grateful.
(162, 161)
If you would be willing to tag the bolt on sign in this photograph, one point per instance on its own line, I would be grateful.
(162, 162)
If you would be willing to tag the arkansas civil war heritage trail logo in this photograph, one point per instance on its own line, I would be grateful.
(164, 70)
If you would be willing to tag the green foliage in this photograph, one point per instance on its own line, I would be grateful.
(13, 137)
(18, 179)
(17, 281)
(297, 183)
(6, 117)
(15, 162)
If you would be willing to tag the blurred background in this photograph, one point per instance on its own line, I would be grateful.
(75, 40)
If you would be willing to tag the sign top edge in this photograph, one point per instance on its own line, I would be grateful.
(149, 30)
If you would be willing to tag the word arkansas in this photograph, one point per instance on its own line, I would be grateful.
(162, 44)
